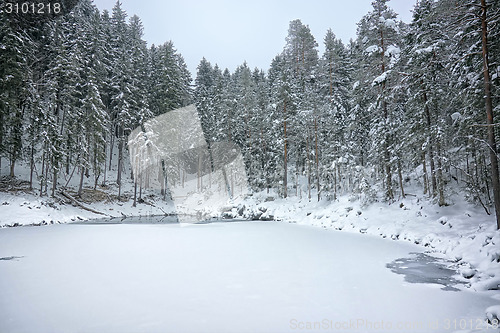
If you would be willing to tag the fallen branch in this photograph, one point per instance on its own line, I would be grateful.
(153, 205)
(76, 202)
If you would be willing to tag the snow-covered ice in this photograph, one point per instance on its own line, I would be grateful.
(461, 233)
(217, 277)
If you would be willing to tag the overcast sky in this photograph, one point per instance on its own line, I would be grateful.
(228, 32)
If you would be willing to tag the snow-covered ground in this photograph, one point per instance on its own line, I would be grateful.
(218, 277)
(18, 209)
(20, 206)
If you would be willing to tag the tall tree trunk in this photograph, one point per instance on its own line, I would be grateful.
(46, 177)
(140, 187)
(285, 175)
(426, 177)
(431, 140)
(134, 204)
(161, 177)
(400, 176)
(32, 164)
(317, 157)
(80, 187)
(308, 161)
(489, 114)
(200, 175)
(485, 177)
(120, 161)
(54, 182)
(105, 163)
(68, 158)
(41, 173)
(12, 166)
(111, 144)
(334, 183)
(440, 178)
(297, 192)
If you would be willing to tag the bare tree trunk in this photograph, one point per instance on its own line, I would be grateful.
(308, 159)
(32, 165)
(80, 187)
(134, 204)
(285, 176)
(46, 177)
(111, 144)
(226, 182)
(400, 176)
(441, 200)
(334, 184)
(200, 175)
(41, 173)
(431, 141)
(68, 160)
(105, 164)
(140, 187)
(316, 153)
(485, 178)
(54, 182)
(161, 177)
(433, 171)
(339, 174)
(120, 161)
(489, 114)
(297, 190)
(426, 176)
(12, 167)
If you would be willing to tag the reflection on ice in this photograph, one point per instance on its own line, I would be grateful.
(165, 219)
(170, 153)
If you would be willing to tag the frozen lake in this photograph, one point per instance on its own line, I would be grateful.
(221, 277)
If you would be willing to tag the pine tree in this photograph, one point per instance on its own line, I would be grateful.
(425, 56)
(335, 85)
(169, 79)
(378, 36)
(296, 91)
(204, 97)
(16, 86)
(473, 57)
(121, 76)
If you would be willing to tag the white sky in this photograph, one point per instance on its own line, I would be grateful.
(228, 32)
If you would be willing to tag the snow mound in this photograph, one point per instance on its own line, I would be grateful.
(493, 314)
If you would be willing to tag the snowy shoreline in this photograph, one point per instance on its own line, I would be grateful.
(26, 209)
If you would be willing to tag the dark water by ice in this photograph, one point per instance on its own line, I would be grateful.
(422, 268)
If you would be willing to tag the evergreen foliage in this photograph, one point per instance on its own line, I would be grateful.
(72, 89)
